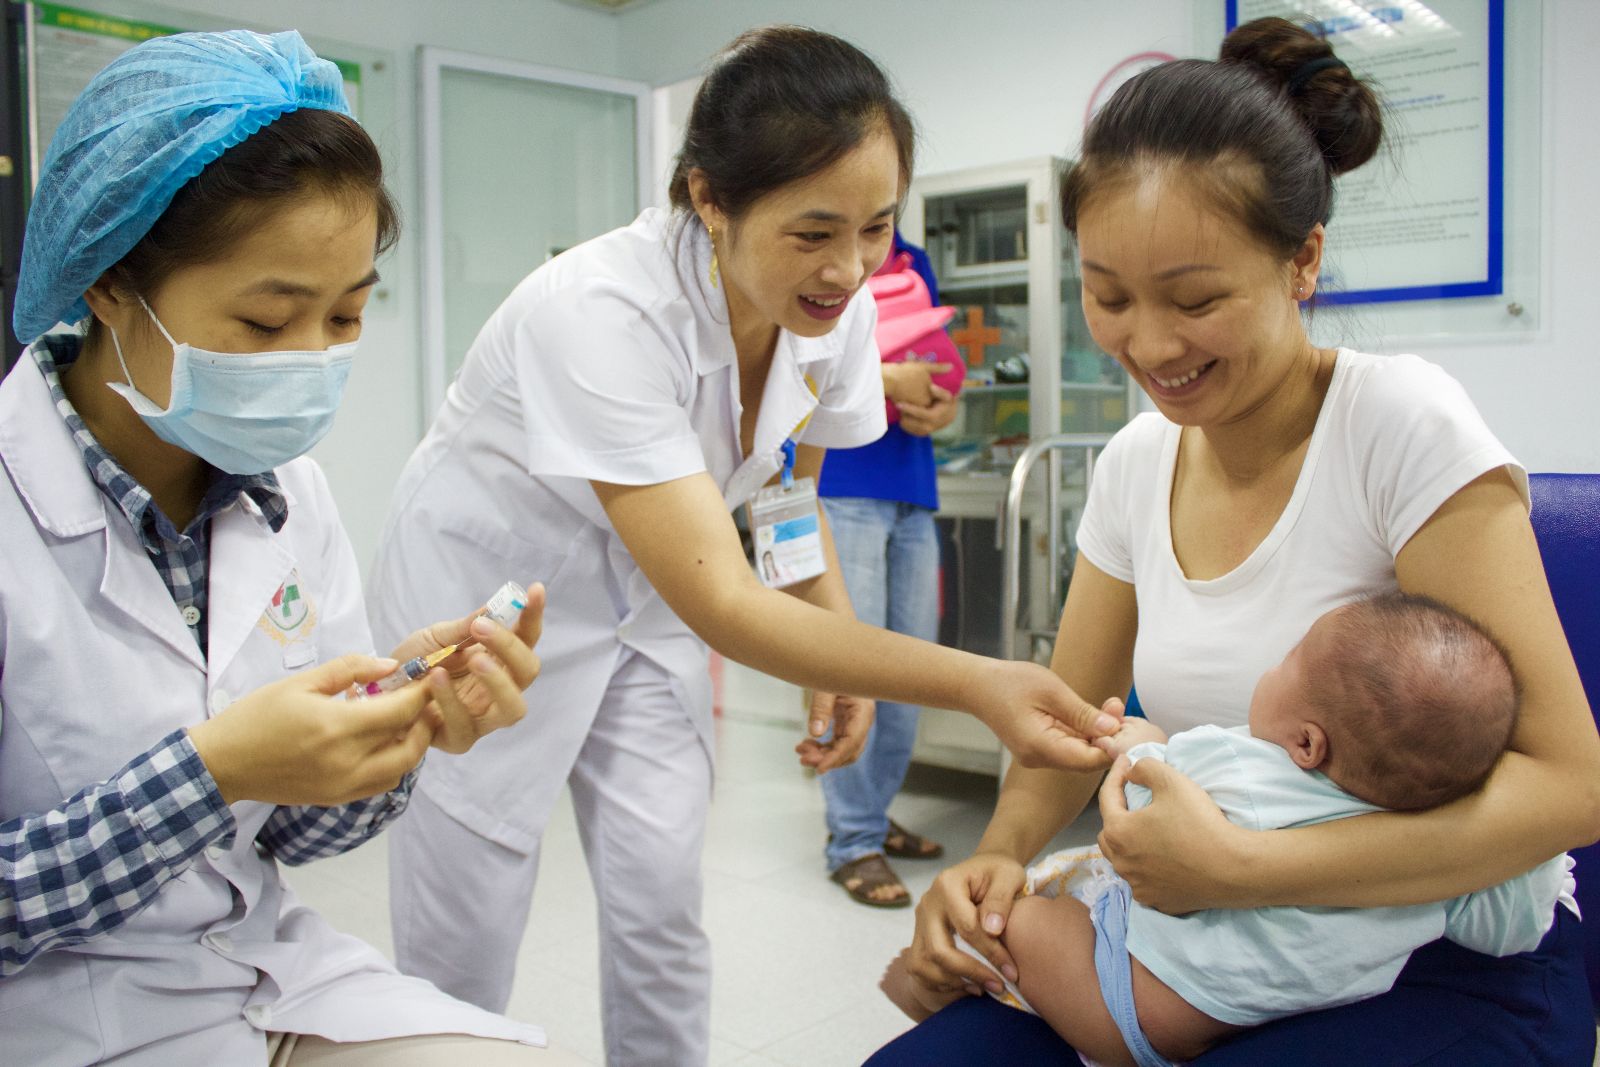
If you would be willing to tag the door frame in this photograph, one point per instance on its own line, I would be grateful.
(431, 64)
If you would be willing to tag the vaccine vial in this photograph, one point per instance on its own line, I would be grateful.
(506, 605)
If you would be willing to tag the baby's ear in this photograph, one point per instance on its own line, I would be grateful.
(1310, 749)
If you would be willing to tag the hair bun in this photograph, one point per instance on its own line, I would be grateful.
(1340, 110)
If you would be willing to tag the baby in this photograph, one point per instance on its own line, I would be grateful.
(1394, 702)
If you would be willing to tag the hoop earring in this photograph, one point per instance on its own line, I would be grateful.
(711, 232)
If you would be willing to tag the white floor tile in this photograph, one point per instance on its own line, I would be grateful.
(841, 1038)
(757, 1059)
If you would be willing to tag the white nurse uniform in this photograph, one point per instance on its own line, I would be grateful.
(613, 362)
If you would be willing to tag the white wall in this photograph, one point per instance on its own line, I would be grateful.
(986, 82)
(1543, 396)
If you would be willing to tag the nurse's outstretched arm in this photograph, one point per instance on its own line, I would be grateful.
(682, 537)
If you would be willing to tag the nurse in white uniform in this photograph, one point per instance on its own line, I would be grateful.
(171, 569)
(619, 405)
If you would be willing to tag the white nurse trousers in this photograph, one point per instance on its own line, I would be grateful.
(641, 788)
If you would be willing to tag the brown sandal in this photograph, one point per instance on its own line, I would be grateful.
(903, 844)
(868, 876)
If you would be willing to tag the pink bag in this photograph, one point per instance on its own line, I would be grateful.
(910, 327)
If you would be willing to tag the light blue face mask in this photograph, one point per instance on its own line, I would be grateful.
(243, 413)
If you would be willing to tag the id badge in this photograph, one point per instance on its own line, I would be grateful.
(787, 533)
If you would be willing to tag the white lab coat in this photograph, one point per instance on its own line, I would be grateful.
(98, 666)
(613, 362)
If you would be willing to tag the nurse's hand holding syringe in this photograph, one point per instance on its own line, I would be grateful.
(472, 696)
(296, 741)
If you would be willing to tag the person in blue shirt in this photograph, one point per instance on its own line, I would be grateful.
(880, 500)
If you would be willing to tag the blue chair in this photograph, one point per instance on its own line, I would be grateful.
(1566, 520)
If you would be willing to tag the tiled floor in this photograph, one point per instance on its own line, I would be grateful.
(796, 963)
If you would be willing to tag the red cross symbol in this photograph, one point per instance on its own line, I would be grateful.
(975, 337)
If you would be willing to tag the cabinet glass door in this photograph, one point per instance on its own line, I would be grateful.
(978, 242)
(1094, 387)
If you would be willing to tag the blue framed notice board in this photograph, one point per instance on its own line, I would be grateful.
(1425, 220)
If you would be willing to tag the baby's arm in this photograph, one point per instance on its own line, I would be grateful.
(1134, 731)
(1052, 941)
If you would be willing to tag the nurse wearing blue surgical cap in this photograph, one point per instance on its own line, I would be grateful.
(180, 611)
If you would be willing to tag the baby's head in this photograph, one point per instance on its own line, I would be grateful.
(1400, 700)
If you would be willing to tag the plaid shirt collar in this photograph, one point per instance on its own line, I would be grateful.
(54, 353)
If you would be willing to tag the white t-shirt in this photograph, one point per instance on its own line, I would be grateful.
(1249, 966)
(1396, 438)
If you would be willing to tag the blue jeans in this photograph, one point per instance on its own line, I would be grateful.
(889, 553)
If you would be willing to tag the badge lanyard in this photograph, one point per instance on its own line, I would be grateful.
(787, 529)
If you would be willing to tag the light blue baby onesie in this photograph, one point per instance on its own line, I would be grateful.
(1249, 966)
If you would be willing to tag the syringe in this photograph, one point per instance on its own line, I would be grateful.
(504, 607)
(408, 672)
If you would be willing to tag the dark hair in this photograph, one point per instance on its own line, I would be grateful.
(1260, 106)
(1418, 701)
(781, 103)
(302, 152)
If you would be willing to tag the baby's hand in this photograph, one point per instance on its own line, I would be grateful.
(1134, 731)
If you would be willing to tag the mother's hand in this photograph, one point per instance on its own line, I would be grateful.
(478, 689)
(972, 899)
(1180, 853)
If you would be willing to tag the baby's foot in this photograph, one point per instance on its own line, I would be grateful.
(907, 994)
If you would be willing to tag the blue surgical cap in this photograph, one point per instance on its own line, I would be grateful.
(142, 128)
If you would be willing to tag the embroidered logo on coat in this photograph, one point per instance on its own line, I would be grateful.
(291, 615)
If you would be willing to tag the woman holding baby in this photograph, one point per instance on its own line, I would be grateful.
(1278, 481)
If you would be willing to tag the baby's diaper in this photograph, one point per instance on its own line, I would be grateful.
(1080, 872)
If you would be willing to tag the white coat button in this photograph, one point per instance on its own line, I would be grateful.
(258, 1016)
(215, 852)
(219, 701)
(218, 942)
(191, 616)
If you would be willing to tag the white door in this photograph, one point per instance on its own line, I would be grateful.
(519, 162)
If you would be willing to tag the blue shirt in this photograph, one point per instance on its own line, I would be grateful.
(897, 466)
